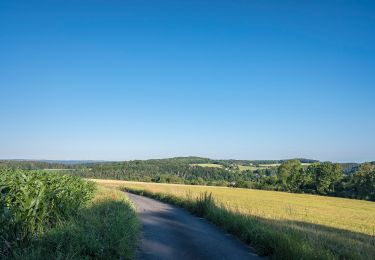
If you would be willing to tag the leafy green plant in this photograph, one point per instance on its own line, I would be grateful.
(106, 228)
(32, 202)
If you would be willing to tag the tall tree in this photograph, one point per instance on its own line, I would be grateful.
(288, 170)
(364, 181)
(327, 176)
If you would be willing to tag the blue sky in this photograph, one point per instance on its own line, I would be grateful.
(119, 80)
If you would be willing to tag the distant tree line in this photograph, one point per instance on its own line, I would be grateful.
(34, 165)
(318, 178)
(324, 178)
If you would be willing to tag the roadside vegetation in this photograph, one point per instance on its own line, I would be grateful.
(52, 216)
(277, 224)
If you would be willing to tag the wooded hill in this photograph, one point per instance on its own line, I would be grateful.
(299, 175)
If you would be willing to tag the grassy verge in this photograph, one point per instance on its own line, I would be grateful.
(48, 216)
(105, 229)
(279, 239)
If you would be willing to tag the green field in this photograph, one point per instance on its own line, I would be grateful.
(244, 167)
(209, 165)
(343, 227)
(269, 165)
(263, 166)
(250, 167)
(240, 167)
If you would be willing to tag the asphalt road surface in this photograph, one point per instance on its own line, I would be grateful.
(169, 232)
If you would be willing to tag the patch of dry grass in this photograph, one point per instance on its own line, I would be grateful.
(348, 214)
(342, 226)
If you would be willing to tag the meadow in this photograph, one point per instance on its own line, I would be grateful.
(208, 165)
(327, 227)
(251, 167)
(243, 167)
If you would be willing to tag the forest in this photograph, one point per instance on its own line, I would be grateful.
(350, 180)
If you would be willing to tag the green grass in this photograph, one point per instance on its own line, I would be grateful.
(209, 165)
(263, 166)
(247, 168)
(258, 167)
(50, 216)
(269, 165)
(282, 225)
(278, 164)
(56, 170)
(240, 167)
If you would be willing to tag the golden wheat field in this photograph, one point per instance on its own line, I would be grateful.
(341, 213)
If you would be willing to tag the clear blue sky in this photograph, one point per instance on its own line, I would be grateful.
(119, 80)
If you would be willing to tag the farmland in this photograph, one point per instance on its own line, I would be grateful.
(209, 165)
(299, 175)
(344, 227)
(278, 224)
(241, 167)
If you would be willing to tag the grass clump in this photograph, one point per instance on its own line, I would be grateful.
(50, 216)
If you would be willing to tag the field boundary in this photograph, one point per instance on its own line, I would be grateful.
(252, 230)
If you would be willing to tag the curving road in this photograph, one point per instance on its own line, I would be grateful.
(169, 232)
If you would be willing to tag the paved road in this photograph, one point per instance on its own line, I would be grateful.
(169, 232)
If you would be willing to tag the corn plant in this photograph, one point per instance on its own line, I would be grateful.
(32, 202)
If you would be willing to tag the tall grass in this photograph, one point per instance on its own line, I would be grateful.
(107, 228)
(51, 216)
